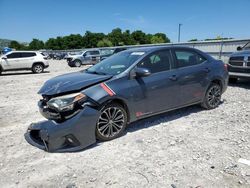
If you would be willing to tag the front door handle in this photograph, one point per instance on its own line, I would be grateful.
(173, 78)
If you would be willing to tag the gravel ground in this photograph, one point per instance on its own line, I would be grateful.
(190, 147)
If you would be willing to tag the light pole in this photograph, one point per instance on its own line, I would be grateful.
(179, 33)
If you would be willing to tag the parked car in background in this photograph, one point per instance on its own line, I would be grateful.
(86, 57)
(23, 60)
(112, 52)
(239, 63)
(99, 102)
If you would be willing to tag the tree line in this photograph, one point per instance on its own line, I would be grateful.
(116, 37)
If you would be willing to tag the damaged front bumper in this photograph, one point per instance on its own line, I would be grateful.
(71, 135)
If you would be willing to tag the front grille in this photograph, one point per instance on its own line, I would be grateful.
(236, 61)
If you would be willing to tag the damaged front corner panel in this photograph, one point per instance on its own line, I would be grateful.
(71, 135)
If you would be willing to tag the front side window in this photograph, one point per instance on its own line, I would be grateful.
(116, 64)
(188, 58)
(14, 55)
(157, 61)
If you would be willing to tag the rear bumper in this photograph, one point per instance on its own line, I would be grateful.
(72, 135)
(239, 75)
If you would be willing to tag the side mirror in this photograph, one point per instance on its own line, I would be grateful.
(239, 48)
(142, 72)
(4, 57)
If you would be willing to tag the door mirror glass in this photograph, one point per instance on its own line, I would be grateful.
(142, 72)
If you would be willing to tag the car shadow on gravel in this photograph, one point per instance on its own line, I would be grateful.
(153, 121)
(243, 83)
(21, 73)
(163, 118)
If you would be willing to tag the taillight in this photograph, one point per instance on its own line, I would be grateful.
(225, 66)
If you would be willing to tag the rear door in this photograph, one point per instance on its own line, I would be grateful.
(159, 91)
(27, 59)
(193, 70)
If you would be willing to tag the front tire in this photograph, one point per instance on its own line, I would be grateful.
(212, 97)
(77, 63)
(37, 68)
(111, 123)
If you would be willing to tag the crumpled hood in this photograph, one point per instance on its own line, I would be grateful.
(71, 82)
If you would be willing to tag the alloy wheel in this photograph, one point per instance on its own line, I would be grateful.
(38, 68)
(111, 122)
(214, 96)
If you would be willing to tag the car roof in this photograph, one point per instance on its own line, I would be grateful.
(153, 48)
(23, 51)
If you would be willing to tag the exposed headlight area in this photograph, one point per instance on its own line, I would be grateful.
(62, 107)
(66, 102)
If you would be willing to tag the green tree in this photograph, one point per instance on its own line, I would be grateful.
(157, 39)
(127, 38)
(140, 37)
(104, 43)
(36, 44)
(163, 36)
(16, 45)
(91, 39)
(116, 37)
(71, 42)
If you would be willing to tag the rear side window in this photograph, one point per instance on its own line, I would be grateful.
(188, 58)
(14, 55)
(28, 54)
(157, 61)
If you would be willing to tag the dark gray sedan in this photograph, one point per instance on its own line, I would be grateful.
(99, 102)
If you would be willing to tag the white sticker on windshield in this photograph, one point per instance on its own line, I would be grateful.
(137, 53)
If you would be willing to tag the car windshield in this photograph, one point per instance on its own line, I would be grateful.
(115, 64)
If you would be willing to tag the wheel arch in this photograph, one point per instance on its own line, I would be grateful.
(118, 101)
(217, 81)
(38, 62)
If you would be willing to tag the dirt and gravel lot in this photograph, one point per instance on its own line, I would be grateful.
(190, 147)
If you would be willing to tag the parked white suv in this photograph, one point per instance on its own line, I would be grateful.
(23, 60)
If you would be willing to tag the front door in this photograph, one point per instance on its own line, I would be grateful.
(12, 61)
(159, 91)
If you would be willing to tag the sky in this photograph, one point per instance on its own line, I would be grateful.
(23, 20)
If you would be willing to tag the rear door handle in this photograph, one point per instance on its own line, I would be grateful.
(207, 70)
(173, 78)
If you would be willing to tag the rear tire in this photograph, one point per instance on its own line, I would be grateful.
(212, 97)
(77, 63)
(37, 68)
(233, 80)
(112, 122)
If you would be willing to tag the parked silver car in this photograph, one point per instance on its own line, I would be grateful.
(84, 58)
